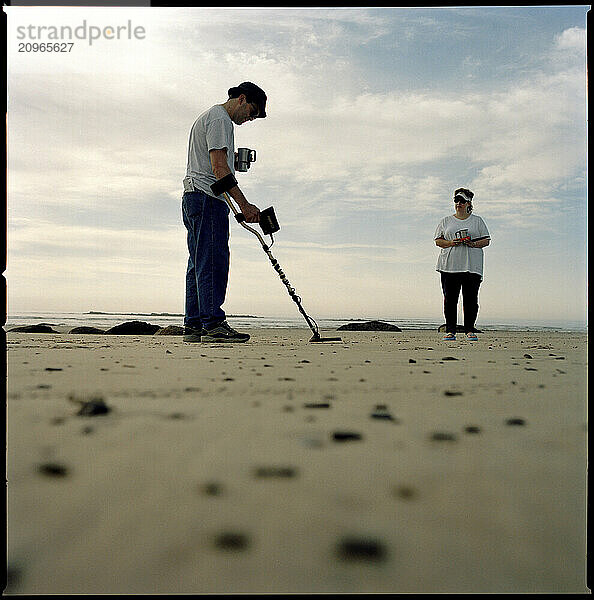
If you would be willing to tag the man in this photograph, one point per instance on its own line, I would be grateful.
(211, 163)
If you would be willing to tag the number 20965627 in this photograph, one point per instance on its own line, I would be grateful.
(45, 46)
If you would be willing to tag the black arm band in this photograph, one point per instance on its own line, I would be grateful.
(224, 184)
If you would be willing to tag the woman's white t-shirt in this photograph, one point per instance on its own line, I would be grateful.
(461, 258)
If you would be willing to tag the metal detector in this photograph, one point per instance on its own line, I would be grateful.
(269, 225)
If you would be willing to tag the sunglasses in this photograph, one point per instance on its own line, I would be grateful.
(460, 200)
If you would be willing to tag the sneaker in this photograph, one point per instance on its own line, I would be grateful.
(471, 337)
(449, 337)
(223, 333)
(192, 335)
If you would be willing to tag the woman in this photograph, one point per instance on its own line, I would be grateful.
(461, 237)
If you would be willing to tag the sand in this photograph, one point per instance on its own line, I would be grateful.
(390, 462)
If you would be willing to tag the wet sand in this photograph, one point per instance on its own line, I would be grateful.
(389, 462)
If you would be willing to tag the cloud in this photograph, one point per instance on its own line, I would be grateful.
(359, 165)
(572, 39)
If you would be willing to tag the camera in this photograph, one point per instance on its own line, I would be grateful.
(244, 158)
(462, 236)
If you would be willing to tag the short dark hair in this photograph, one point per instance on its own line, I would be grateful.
(253, 94)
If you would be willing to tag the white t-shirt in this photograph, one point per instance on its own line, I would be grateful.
(461, 258)
(212, 130)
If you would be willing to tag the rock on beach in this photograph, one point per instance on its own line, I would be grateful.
(40, 328)
(170, 330)
(85, 329)
(369, 326)
(133, 328)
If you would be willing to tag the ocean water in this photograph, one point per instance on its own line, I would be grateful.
(105, 320)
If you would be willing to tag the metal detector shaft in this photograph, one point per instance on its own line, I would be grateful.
(310, 322)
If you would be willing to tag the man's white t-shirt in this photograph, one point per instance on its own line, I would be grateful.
(461, 258)
(212, 130)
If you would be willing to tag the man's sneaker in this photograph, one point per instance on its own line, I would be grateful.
(471, 337)
(449, 337)
(192, 335)
(223, 333)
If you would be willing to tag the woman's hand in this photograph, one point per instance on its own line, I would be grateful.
(443, 243)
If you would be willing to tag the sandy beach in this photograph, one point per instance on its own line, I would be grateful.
(388, 462)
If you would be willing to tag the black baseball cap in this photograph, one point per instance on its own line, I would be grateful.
(253, 93)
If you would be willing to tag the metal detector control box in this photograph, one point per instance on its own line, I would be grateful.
(268, 222)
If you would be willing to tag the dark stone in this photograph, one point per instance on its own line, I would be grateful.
(472, 429)
(170, 330)
(449, 358)
(53, 469)
(53, 368)
(441, 436)
(232, 541)
(346, 436)
(317, 405)
(405, 492)
(361, 549)
(452, 393)
(212, 489)
(275, 472)
(516, 421)
(383, 415)
(92, 408)
(369, 326)
(176, 416)
(133, 328)
(85, 329)
(41, 328)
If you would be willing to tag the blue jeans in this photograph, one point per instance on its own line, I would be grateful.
(207, 221)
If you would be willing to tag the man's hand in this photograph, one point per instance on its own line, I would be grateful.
(250, 212)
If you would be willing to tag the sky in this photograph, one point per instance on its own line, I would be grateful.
(375, 116)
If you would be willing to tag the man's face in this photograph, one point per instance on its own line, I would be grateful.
(245, 111)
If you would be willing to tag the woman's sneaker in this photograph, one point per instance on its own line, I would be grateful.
(471, 337)
(192, 335)
(449, 337)
(223, 333)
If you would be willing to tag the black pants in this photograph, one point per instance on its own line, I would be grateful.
(451, 283)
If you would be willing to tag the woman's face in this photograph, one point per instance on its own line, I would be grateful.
(461, 206)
